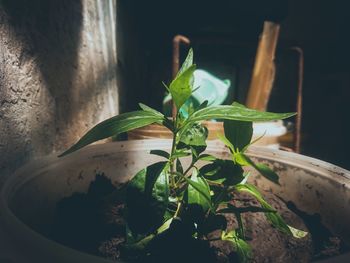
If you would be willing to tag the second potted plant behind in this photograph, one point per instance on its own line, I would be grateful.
(166, 201)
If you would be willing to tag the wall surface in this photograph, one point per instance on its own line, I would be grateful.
(57, 74)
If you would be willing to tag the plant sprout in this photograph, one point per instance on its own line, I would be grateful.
(165, 193)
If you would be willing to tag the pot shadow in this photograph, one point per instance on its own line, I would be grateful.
(325, 244)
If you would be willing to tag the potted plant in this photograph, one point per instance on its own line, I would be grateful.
(179, 197)
(173, 199)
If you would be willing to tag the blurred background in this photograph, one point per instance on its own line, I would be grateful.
(66, 65)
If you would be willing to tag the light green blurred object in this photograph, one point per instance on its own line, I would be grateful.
(211, 88)
(207, 87)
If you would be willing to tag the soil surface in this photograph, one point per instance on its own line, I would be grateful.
(93, 222)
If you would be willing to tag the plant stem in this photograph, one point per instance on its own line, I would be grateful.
(189, 168)
(219, 197)
(214, 239)
(184, 174)
(178, 209)
(240, 226)
(172, 163)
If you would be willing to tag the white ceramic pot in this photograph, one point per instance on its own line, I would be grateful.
(29, 197)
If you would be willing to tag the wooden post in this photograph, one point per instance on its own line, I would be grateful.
(264, 68)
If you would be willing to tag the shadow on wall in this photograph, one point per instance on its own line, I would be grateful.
(52, 35)
(57, 76)
(39, 49)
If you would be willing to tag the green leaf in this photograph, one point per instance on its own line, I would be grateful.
(166, 122)
(181, 87)
(186, 110)
(223, 171)
(222, 138)
(210, 171)
(206, 157)
(137, 247)
(187, 63)
(241, 247)
(181, 153)
(195, 135)
(203, 105)
(297, 232)
(253, 142)
(211, 223)
(160, 153)
(165, 226)
(263, 169)
(194, 138)
(252, 209)
(242, 159)
(240, 231)
(239, 133)
(147, 198)
(235, 112)
(239, 105)
(149, 109)
(117, 125)
(166, 86)
(275, 218)
(179, 167)
(130, 236)
(198, 191)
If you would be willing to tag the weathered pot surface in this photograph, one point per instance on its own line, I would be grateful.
(29, 197)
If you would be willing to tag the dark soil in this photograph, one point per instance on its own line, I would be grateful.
(269, 244)
(85, 220)
(93, 222)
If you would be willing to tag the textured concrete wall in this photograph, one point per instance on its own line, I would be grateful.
(57, 74)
